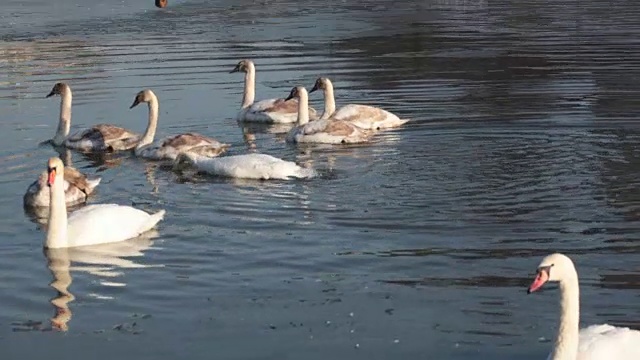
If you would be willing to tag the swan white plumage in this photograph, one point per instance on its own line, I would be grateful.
(101, 137)
(246, 166)
(596, 342)
(77, 187)
(94, 224)
(266, 111)
(363, 116)
(172, 146)
(327, 131)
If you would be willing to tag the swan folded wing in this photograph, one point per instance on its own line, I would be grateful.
(367, 117)
(192, 140)
(278, 110)
(104, 136)
(608, 342)
(104, 223)
(276, 105)
(76, 179)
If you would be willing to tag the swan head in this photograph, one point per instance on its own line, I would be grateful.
(55, 170)
(161, 3)
(244, 66)
(58, 89)
(296, 92)
(144, 96)
(555, 267)
(322, 83)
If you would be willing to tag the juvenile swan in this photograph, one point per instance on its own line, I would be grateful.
(596, 342)
(91, 225)
(172, 146)
(101, 137)
(246, 166)
(362, 116)
(77, 188)
(327, 131)
(266, 111)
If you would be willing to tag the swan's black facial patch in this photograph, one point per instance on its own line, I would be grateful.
(546, 269)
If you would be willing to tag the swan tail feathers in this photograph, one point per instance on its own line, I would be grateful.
(153, 220)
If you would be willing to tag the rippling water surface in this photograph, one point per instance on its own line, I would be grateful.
(523, 141)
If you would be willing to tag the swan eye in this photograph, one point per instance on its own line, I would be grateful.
(51, 169)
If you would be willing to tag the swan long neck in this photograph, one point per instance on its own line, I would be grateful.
(303, 107)
(329, 101)
(150, 133)
(64, 125)
(57, 228)
(249, 86)
(566, 347)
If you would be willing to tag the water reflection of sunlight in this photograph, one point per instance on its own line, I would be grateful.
(106, 261)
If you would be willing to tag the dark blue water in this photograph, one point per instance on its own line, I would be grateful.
(523, 141)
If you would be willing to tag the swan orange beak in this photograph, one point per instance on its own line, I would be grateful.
(52, 176)
(542, 276)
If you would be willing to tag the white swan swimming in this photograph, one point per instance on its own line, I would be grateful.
(172, 146)
(77, 187)
(246, 166)
(596, 342)
(327, 131)
(362, 116)
(93, 224)
(101, 137)
(267, 111)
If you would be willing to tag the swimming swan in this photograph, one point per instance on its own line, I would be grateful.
(246, 166)
(362, 116)
(267, 111)
(596, 342)
(77, 188)
(172, 146)
(93, 224)
(327, 131)
(101, 137)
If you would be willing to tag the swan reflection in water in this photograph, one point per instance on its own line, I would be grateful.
(105, 261)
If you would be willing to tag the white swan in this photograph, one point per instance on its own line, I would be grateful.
(327, 131)
(77, 187)
(362, 116)
(246, 166)
(94, 224)
(101, 137)
(172, 146)
(267, 111)
(596, 342)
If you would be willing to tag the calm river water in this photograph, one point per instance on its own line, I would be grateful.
(523, 141)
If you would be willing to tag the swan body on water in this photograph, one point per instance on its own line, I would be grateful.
(171, 147)
(265, 111)
(93, 224)
(247, 166)
(596, 342)
(77, 188)
(363, 116)
(324, 131)
(99, 138)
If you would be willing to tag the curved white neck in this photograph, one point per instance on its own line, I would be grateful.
(303, 107)
(566, 346)
(329, 101)
(57, 226)
(64, 124)
(249, 87)
(150, 133)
